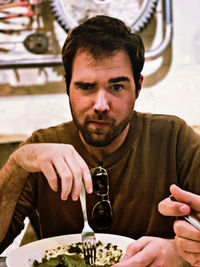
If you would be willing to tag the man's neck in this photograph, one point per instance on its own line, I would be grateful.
(100, 153)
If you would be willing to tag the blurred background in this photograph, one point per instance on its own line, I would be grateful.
(32, 88)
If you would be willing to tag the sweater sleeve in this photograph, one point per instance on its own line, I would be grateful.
(188, 158)
(12, 185)
(22, 208)
(18, 194)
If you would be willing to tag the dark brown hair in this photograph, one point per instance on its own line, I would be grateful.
(102, 36)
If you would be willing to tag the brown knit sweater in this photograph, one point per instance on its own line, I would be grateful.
(159, 150)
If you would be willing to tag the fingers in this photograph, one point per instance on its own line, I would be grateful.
(187, 241)
(188, 250)
(50, 173)
(185, 201)
(73, 171)
(185, 230)
(59, 161)
(134, 247)
(78, 173)
(86, 176)
(151, 251)
(168, 207)
(192, 258)
(138, 254)
(140, 260)
(66, 177)
(74, 181)
(186, 197)
(144, 256)
(188, 245)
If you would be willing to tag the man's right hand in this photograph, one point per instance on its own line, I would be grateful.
(56, 161)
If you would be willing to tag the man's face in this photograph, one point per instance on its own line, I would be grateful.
(102, 96)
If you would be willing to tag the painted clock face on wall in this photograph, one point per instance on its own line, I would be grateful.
(135, 13)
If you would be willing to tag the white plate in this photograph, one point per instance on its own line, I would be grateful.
(25, 255)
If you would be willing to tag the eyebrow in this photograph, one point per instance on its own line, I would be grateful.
(119, 79)
(80, 84)
(112, 80)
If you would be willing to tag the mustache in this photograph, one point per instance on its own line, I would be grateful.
(99, 117)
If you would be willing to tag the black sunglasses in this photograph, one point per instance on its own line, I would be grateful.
(102, 212)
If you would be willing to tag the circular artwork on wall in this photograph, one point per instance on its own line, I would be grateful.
(135, 13)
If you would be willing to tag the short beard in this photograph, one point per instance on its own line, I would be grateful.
(108, 139)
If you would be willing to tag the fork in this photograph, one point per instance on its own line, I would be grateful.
(88, 235)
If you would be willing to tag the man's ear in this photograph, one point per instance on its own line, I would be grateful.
(140, 82)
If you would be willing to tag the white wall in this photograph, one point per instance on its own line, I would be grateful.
(179, 91)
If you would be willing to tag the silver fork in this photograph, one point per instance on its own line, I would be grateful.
(88, 235)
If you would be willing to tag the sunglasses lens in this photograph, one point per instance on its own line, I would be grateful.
(102, 215)
(100, 182)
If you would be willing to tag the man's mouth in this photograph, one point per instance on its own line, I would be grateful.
(99, 124)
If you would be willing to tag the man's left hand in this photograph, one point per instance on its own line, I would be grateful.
(187, 237)
(152, 252)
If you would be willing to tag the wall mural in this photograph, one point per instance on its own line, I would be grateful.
(32, 33)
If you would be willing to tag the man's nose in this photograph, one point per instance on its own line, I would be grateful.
(101, 103)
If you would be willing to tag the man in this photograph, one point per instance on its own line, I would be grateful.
(143, 154)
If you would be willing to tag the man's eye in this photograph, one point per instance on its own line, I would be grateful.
(86, 87)
(117, 87)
